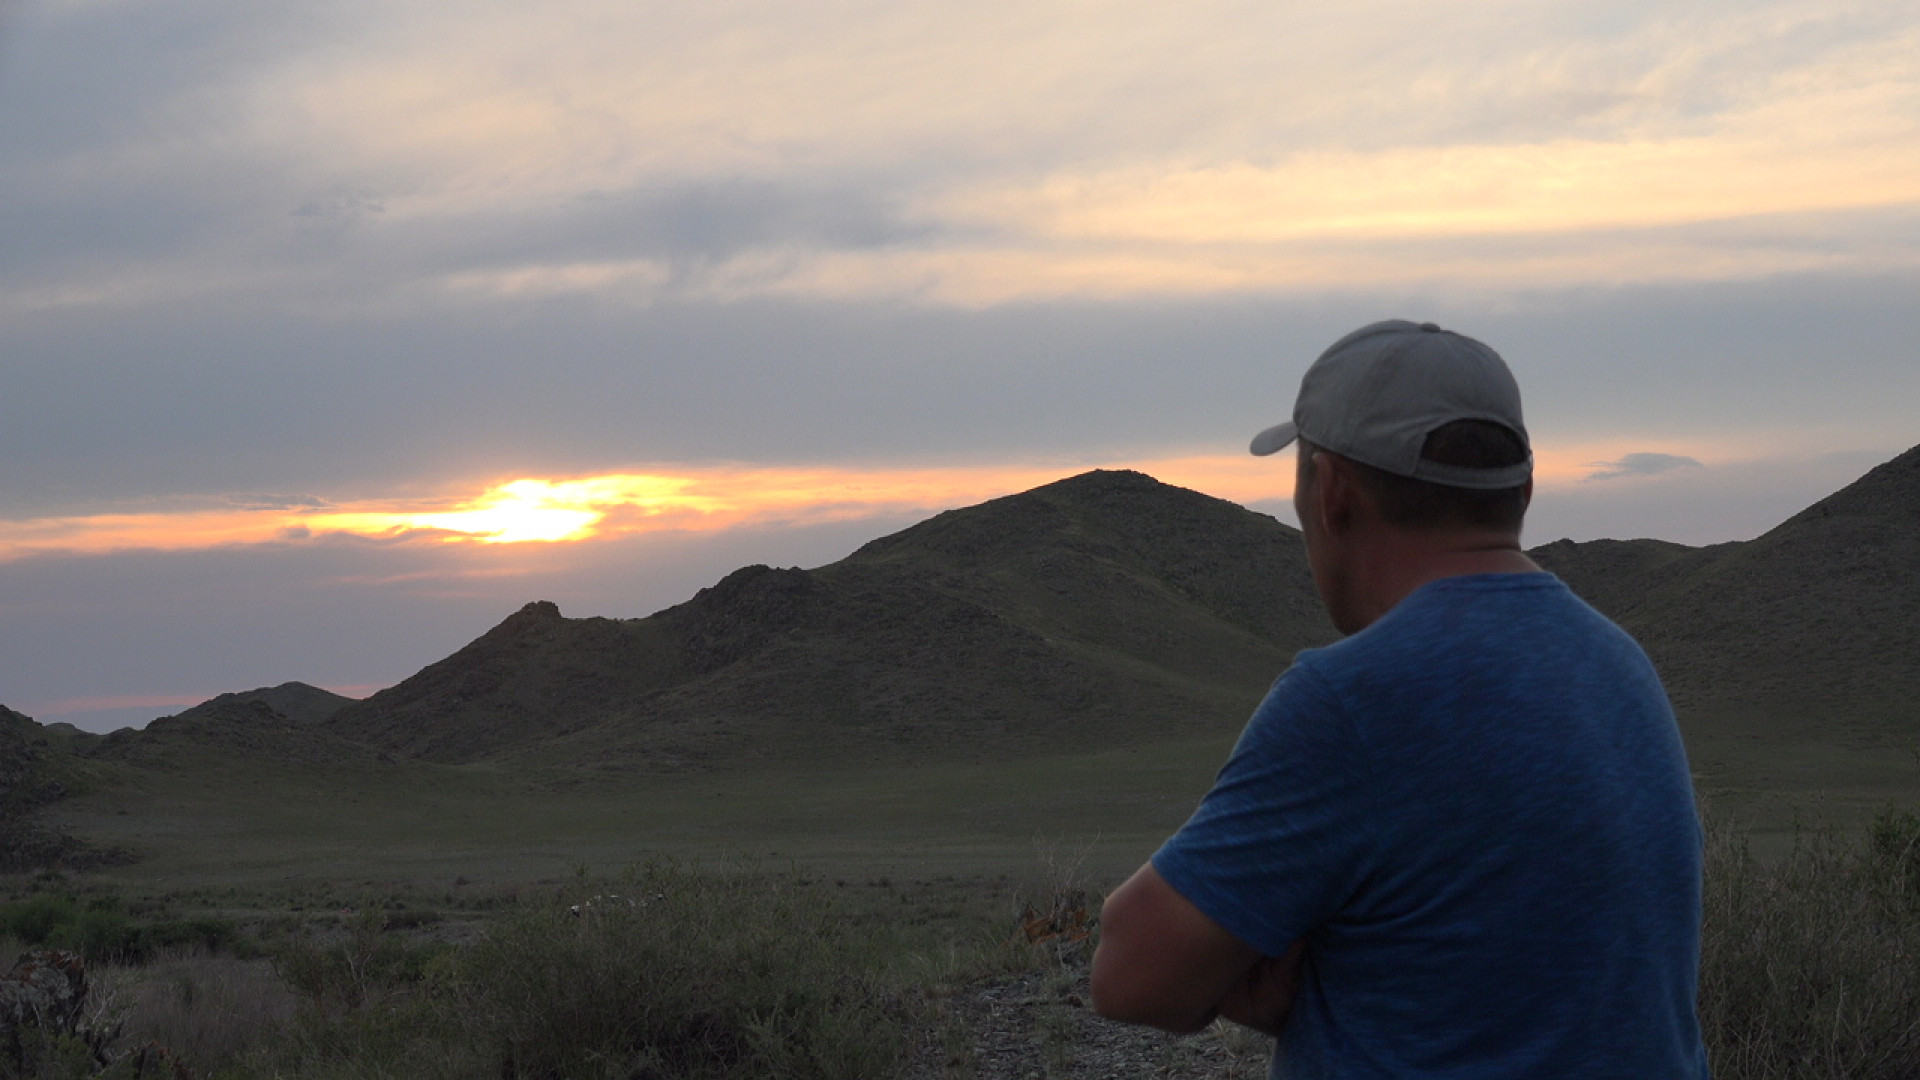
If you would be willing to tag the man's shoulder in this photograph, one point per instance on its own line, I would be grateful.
(1483, 622)
(1532, 586)
(1445, 609)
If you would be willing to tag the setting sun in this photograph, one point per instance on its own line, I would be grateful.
(698, 500)
(542, 510)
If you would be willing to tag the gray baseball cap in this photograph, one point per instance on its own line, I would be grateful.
(1378, 392)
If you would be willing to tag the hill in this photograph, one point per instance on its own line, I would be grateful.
(1110, 608)
(295, 702)
(279, 723)
(1103, 609)
(1822, 613)
(24, 783)
(1106, 609)
(34, 773)
(1072, 660)
(1616, 575)
(1816, 618)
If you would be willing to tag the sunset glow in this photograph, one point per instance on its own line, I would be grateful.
(530, 510)
(334, 330)
(575, 509)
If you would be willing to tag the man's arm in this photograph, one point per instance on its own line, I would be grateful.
(1164, 963)
(1263, 998)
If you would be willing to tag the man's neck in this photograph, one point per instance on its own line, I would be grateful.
(1393, 564)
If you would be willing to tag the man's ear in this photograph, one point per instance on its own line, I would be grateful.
(1336, 492)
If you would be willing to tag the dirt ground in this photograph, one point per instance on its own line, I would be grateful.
(1038, 1026)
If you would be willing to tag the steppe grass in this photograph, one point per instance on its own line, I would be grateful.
(204, 1007)
(1810, 964)
(425, 827)
(686, 975)
(1810, 968)
(103, 927)
(661, 972)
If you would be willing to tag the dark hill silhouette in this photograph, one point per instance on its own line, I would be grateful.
(295, 702)
(1111, 608)
(1615, 575)
(1820, 614)
(1105, 608)
(23, 783)
(33, 762)
(239, 725)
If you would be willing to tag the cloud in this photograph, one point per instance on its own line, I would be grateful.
(1640, 464)
(396, 254)
(276, 502)
(958, 154)
(584, 508)
(339, 210)
(1738, 498)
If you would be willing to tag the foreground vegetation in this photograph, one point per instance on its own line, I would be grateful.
(1810, 968)
(665, 971)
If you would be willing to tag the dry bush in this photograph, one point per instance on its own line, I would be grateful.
(207, 1009)
(1052, 909)
(682, 975)
(1810, 967)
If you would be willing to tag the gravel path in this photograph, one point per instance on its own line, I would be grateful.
(1037, 1026)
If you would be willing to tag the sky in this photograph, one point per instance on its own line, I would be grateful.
(332, 333)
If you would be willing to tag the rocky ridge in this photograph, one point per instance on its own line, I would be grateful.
(1106, 606)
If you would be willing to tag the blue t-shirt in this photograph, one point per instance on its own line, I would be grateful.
(1478, 813)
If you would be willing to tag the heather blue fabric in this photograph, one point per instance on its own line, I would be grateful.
(1478, 813)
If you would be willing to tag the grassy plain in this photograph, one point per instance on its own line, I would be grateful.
(1772, 776)
(210, 822)
(207, 821)
(367, 885)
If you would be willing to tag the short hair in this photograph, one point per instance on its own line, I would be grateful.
(1423, 504)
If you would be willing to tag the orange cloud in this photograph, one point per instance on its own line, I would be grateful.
(707, 499)
(567, 509)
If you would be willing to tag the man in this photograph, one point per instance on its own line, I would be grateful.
(1461, 841)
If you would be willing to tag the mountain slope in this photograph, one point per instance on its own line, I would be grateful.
(23, 780)
(35, 772)
(1822, 612)
(295, 702)
(1099, 610)
(1109, 608)
(1105, 608)
(232, 725)
(1617, 575)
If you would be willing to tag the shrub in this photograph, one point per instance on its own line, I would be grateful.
(682, 975)
(209, 934)
(35, 919)
(1810, 967)
(207, 1011)
(98, 933)
(1894, 838)
(368, 962)
(103, 931)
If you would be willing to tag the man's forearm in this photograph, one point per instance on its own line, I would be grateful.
(1264, 998)
(1161, 961)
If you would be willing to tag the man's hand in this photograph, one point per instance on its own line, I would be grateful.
(1263, 998)
(1164, 963)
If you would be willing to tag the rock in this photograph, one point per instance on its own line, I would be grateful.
(43, 1002)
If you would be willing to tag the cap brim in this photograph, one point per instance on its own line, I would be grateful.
(1274, 439)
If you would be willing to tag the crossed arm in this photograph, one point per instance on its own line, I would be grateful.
(1164, 963)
